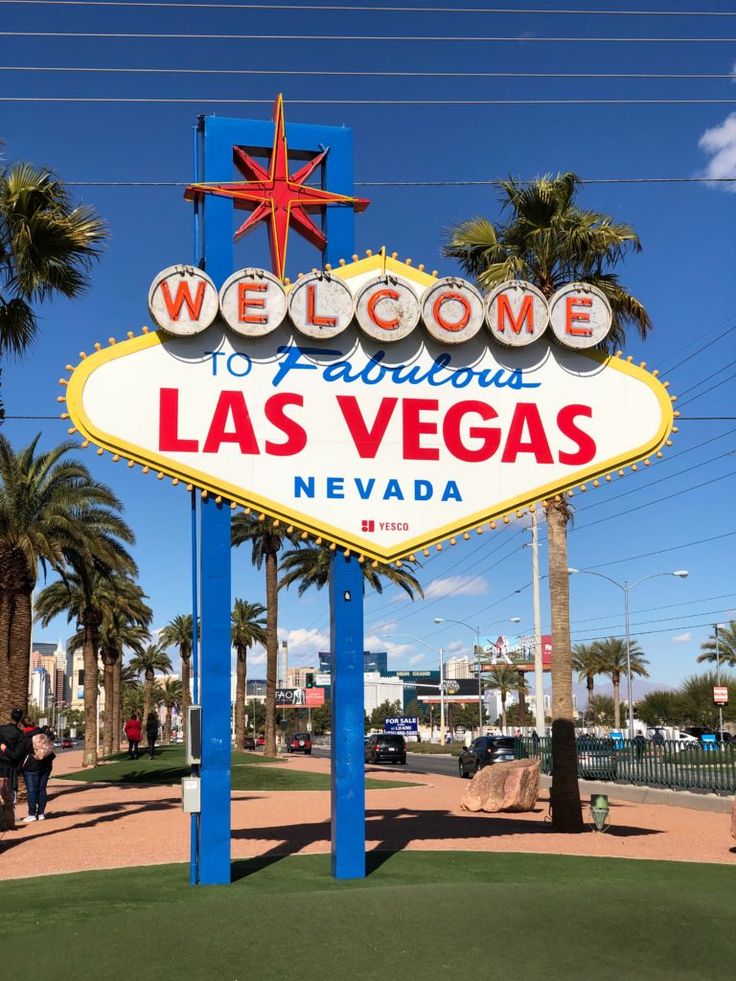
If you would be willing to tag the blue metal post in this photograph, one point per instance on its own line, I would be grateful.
(348, 767)
(194, 822)
(214, 821)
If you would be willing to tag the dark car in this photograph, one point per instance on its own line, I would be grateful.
(249, 743)
(299, 742)
(66, 743)
(484, 751)
(386, 747)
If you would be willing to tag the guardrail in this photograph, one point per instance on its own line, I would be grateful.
(672, 764)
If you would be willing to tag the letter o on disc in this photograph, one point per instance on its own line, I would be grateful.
(452, 310)
(320, 306)
(516, 313)
(253, 302)
(182, 300)
(386, 309)
(580, 316)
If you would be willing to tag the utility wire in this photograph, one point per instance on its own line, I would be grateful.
(704, 347)
(325, 73)
(708, 391)
(382, 38)
(147, 100)
(496, 182)
(364, 8)
(653, 609)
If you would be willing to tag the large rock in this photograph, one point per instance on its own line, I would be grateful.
(503, 787)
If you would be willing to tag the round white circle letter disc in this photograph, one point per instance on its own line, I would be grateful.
(452, 310)
(253, 302)
(516, 313)
(580, 315)
(183, 300)
(320, 306)
(387, 309)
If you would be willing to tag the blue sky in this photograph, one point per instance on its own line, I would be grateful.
(677, 514)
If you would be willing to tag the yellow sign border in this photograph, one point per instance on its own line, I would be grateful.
(362, 546)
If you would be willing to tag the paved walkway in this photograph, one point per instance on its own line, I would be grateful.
(93, 826)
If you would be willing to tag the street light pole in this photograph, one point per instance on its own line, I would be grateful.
(626, 588)
(440, 651)
(538, 665)
(718, 670)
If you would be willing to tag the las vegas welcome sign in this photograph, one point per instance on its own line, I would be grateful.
(376, 407)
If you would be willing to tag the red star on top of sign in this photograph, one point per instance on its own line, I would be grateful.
(276, 196)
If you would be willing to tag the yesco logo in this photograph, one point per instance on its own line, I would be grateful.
(183, 300)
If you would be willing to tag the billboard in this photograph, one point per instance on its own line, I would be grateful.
(290, 698)
(405, 725)
(520, 656)
(447, 411)
(464, 690)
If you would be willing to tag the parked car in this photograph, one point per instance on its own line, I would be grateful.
(261, 740)
(299, 742)
(484, 751)
(249, 743)
(596, 758)
(386, 747)
(66, 743)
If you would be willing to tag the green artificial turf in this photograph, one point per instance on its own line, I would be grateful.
(450, 915)
(248, 772)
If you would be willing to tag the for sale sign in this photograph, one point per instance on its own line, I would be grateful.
(405, 725)
(720, 694)
(376, 406)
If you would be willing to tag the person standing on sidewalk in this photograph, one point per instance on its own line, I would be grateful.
(11, 739)
(152, 733)
(37, 766)
(132, 729)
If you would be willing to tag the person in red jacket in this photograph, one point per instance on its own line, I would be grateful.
(132, 730)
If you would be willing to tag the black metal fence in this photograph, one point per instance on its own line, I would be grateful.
(672, 765)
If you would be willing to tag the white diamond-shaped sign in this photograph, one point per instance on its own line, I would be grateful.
(383, 449)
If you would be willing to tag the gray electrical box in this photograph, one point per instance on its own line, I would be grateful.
(191, 799)
(194, 734)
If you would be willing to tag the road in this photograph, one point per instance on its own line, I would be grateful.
(415, 762)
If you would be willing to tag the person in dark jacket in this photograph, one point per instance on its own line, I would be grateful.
(152, 733)
(11, 738)
(36, 773)
(132, 729)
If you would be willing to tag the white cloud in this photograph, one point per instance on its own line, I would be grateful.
(719, 143)
(456, 586)
(455, 645)
(304, 644)
(682, 638)
(376, 642)
(417, 659)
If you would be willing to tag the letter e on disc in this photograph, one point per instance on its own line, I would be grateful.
(452, 311)
(182, 300)
(320, 306)
(253, 302)
(580, 316)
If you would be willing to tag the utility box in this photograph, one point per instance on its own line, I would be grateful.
(191, 797)
(194, 735)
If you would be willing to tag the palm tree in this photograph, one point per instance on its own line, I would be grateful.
(586, 662)
(46, 248)
(248, 628)
(548, 240)
(147, 663)
(131, 692)
(178, 633)
(266, 538)
(51, 512)
(171, 697)
(125, 621)
(602, 709)
(612, 659)
(310, 566)
(726, 650)
(505, 680)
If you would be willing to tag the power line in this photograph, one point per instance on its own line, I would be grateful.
(660, 551)
(704, 347)
(382, 38)
(660, 630)
(307, 73)
(494, 182)
(364, 8)
(147, 100)
(653, 609)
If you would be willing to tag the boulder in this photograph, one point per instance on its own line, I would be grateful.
(510, 786)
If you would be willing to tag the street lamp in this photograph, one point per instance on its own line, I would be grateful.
(437, 650)
(626, 588)
(476, 631)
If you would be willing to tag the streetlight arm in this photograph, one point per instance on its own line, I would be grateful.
(600, 575)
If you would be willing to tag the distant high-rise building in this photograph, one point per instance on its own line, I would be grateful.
(458, 667)
(372, 661)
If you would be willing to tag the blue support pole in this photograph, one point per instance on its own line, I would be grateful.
(348, 767)
(214, 822)
(194, 818)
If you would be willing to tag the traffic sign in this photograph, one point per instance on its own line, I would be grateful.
(720, 694)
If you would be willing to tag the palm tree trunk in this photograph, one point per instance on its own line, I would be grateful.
(503, 714)
(522, 700)
(186, 697)
(272, 651)
(117, 723)
(15, 650)
(89, 649)
(616, 681)
(108, 659)
(240, 682)
(147, 694)
(564, 792)
(167, 725)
